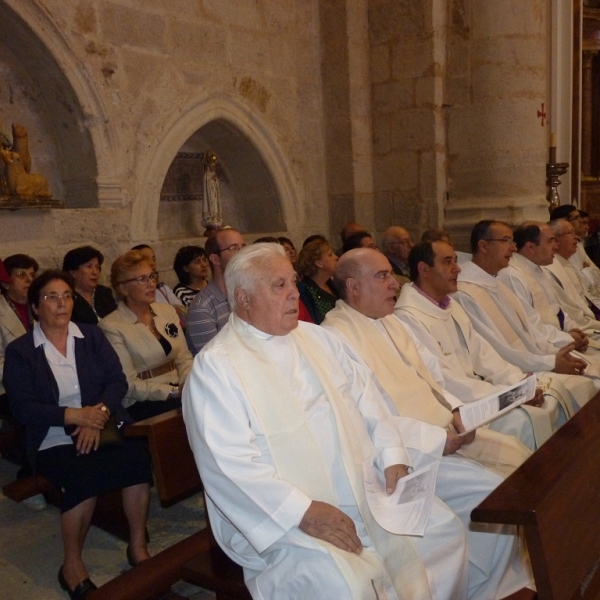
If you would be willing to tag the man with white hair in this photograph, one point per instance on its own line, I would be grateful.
(281, 421)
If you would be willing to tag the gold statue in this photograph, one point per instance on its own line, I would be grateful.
(16, 178)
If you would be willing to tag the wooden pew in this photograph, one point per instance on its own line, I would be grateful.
(554, 496)
(197, 559)
(175, 473)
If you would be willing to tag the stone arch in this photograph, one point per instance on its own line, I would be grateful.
(183, 125)
(73, 114)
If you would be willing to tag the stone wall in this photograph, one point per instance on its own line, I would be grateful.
(139, 83)
(497, 79)
(407, 69)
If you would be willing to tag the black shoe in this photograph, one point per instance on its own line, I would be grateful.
(130, 560)
(82, 589)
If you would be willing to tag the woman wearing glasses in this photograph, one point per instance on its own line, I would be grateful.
(64, 381)
(147, 337)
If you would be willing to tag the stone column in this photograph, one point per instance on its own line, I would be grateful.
(498, 77)
(408, 41)
(587, 111)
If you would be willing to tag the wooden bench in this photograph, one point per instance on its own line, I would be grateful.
(197, 559)
(555, 497)
(175, 473)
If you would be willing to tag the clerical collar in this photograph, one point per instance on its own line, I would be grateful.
(443, 303)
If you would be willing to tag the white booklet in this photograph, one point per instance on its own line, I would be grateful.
(480, 412)
(406, 510)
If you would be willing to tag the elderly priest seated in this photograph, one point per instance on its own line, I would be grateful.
(282, 421)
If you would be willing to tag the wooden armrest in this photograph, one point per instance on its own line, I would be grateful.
(21, 489)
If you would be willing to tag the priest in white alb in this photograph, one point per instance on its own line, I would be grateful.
(281, 421)
(569, 282)
(471, 368)
(498, 316)
(532, 285)
(427, 415)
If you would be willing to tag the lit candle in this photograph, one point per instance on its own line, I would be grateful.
(553, 140)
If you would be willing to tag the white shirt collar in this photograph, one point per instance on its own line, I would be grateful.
(39, 337)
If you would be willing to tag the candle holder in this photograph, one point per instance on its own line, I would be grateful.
(554, 171)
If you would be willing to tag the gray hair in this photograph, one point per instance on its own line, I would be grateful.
(243, 269)
(558, 225)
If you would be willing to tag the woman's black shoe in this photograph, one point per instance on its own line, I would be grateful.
(130, 558)
(82, 589)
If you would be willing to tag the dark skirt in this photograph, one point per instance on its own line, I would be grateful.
(88, 475)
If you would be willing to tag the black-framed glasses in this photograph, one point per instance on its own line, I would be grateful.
(142, 279)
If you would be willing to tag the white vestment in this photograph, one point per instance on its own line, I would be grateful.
(255, 512)
(470, 367)
(462, 483)
(534, 289)
(585, 265)
(498, 316)
(571, 295)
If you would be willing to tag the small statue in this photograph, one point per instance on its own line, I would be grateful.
(15, 177)
(211, 204)
(19, 181)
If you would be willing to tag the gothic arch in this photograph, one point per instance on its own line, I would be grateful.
(180, 128)
(75, 114)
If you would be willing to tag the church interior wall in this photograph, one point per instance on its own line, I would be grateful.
(384, 111)
(138, 69)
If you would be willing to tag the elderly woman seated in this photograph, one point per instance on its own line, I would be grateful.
(147, 337)
(64, 382)
(92, 300)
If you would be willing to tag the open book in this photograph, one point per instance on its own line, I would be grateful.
(480, 412)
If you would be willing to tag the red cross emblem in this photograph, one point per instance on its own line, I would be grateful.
(542, 114)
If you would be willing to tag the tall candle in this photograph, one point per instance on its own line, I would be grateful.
(553, 140)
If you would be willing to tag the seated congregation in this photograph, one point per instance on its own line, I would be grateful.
(300, 377)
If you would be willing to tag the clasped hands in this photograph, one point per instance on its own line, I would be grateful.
(89, 421)
(330, 524)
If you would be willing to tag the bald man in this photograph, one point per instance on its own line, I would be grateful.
(427, 414)
(397, 244)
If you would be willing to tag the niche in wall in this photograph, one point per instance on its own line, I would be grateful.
(249, 196)
(35, 92)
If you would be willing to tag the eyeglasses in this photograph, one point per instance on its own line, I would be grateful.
(402, 243)
(232, 248)
(508, 241)
(22, 274)
(55, 298)
(142, 279)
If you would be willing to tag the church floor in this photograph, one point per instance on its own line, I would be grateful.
(31, 549)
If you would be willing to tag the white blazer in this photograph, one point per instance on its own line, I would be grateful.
(139, 351)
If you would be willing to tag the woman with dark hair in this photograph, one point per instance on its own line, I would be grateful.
(64, 382)
(192, 270)
(92, 300)
(316, 265)
(147, 338)
(289, 248)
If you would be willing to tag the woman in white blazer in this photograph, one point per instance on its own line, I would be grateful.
(147, 338)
